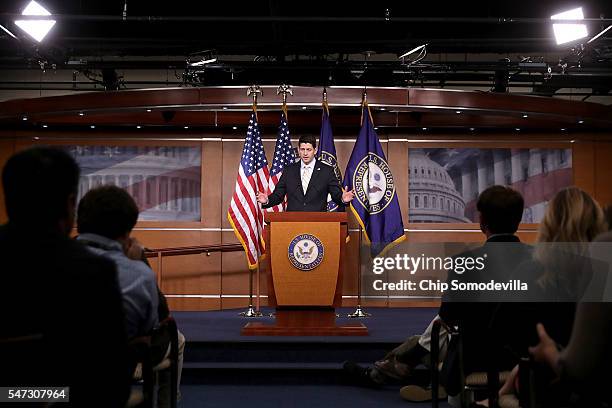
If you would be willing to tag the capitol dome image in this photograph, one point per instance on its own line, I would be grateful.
(433, 196)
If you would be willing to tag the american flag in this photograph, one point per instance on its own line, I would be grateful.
(283, 156)
(245, 213)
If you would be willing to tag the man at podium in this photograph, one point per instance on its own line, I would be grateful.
(307, 183)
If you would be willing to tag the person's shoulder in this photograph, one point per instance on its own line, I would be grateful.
(294, 165)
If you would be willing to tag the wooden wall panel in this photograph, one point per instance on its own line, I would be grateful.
(212, 180)
(603, 172)
(235, 276)
(584, 166)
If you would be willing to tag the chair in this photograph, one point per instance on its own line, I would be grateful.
(151, 357)
(488, 381)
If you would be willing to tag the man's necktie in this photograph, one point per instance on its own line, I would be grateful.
(305, 178)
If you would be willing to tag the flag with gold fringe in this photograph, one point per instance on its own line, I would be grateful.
(375, 204)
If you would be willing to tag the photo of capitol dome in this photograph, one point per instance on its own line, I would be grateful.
(444, 184)
(163, 180)
(433, 196)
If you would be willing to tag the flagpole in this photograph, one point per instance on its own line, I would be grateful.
(253, 312)
(359, 313)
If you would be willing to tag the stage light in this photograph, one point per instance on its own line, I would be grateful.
(24, 118)
(138, 127)
(185, 127)
(235, 127)
(568, 32)
(148, 110)
(37, 29)
(580, 122)
(525, 116)
(45, 126)
(81, 114)
(458, 112)
(93, 126)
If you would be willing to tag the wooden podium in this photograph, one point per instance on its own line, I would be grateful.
(304, 264)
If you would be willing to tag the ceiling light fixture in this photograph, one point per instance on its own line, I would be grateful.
(568, 32)
(37, 29)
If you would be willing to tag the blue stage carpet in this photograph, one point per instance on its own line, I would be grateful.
(224, 369)
(386, 325)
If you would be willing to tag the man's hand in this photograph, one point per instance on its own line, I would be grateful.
(347, 196)
(546, 350)
(262, 198)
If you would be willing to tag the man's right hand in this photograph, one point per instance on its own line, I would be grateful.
(262, 198)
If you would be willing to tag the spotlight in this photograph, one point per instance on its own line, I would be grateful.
(45, 126)
(24, 118)
(568, 32)
(304, 107)
(580, 122)
(81, 114)
(148, 110)
(93, 126)
(525, 116)
(37, 29)
(185, 127)
(138, 127)
(235, 127)
(424, 128)
(458, 112)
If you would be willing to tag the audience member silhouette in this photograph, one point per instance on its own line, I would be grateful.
(106, 217)
(63, 322)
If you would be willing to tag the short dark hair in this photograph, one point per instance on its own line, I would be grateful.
(38, 183)
(109, 211)
(308, 139)
(501, 209)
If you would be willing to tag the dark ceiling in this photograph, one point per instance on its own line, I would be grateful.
(309, 42)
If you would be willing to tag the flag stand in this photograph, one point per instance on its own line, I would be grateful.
(251, 311)
(359, 313)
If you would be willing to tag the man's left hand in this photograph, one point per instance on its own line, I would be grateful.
(347, 196)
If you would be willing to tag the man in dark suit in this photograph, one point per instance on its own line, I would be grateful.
(63, 322)
(307, 183)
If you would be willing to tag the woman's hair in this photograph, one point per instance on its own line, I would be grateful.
(571, 216)
(572, 220)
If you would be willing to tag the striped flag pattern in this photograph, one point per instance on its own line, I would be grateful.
(245, 213)
(283, 156)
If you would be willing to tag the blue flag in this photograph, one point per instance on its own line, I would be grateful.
(327, 152)
(375, 204)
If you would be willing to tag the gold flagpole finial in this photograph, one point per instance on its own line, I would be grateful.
(254, 91)
(284, 90)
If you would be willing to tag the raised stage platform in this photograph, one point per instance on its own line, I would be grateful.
(306, 370)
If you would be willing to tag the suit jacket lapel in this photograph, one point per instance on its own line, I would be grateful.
(298, 175)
